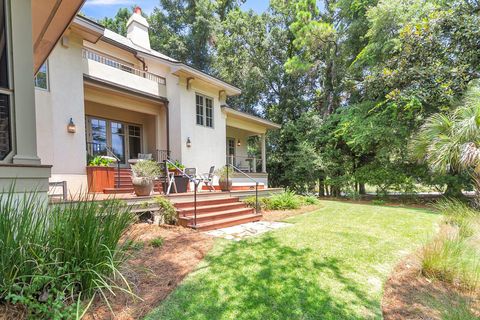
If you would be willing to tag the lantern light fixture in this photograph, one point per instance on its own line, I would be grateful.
(189, 142)
(71, 127)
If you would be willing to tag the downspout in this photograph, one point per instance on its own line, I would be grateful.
(168, 126)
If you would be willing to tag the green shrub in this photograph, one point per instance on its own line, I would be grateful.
(378, 202)
(134, 245)
(460, 214)
(146, 169)
(157, 242)
(54, 257)
(310, 200)
(100, 161)
(167, 210)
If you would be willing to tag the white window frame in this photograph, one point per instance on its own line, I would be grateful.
(47, 78)
(203, 113)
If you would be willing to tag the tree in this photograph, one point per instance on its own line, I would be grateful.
(451, 142)
(118, 24)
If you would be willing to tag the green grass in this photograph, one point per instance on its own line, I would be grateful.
(331, 264)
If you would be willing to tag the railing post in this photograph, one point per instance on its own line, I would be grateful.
(228, 182)
(256, 197)
(195, 203)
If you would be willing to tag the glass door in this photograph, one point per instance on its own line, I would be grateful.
(231, 151)
(125, 140)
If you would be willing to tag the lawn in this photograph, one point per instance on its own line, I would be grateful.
(330, 264)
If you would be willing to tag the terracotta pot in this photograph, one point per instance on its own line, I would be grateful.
(99, 178)
(224, 184)
(142, 186)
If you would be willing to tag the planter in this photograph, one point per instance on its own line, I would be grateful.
(99, 178)
(181, 182)
(224, 184)
(142, 186)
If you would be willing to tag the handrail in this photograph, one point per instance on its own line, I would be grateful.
(103, 59)
(196, 183)
(256, 184)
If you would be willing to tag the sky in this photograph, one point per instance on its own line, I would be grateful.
(108, 8)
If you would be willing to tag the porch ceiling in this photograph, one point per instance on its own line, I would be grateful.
(247, 122)
(50, 19)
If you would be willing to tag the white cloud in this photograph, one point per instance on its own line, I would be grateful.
(108, 2)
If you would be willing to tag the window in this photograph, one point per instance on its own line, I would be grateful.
(41, 79)
(5, 92)
(204, 110)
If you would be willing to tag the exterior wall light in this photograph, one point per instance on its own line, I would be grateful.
(189, 143)
(239, 143)
(71, 127)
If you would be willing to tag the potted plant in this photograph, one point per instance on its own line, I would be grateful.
(143, 174)
(224, 183)
(173, 168)
(100, 174)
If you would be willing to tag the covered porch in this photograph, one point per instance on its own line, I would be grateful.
(246, 147)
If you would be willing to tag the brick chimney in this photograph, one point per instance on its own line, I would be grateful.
(137, 29)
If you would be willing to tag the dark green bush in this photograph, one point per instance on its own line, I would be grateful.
(167, 210)
(283, 201)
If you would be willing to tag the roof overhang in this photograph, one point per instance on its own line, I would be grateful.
(182, 70)
(50, 19)
(247, 121)
(87, 29)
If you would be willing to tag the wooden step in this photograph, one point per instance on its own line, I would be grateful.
(185, 212)
(126, 190)
(205, 202)
(228, 222)
(215, 216)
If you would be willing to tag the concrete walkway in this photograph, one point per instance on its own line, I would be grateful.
(247, 230)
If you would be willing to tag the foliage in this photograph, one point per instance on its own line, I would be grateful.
(224, 171)
(146, 169)
(100, 161)
(54, 257)
(454, 256)
(378, 202)
(167, 210)
(310, 200)
(157, 242)
(176, 165)
(282, 201)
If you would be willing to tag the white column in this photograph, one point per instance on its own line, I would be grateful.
(264, 153)
(24, 94)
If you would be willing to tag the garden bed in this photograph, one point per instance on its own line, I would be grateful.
(409, 295)
(154, 272)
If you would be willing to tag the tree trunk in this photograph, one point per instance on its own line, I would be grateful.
(361, 188)
(321, 188)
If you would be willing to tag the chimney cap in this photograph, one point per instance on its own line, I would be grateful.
(137, 10)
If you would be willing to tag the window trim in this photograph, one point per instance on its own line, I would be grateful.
(204, 111)
(47, 78)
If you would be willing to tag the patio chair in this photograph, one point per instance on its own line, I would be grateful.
(207, 178)
(167, 179)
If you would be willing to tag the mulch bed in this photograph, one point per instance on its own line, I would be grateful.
(154, 272)
(409, 295)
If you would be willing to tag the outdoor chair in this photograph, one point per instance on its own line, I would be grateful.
(167, 179)
(207, 178)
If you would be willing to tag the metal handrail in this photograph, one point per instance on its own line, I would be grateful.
(256, 184)
(196, 182)
(98, 57)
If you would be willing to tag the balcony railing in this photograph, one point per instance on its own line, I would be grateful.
(246, 164)
(95, 56)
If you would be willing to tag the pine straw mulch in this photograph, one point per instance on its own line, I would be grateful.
(409, 295)
(154, 272)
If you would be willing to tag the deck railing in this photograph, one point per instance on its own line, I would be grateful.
(246, 164)
(95, 56)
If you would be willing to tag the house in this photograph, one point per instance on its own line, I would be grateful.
(29, 29)
(100, 91)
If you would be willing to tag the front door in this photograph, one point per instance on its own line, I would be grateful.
(106, 136)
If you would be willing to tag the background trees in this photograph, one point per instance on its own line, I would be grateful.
(350, 81)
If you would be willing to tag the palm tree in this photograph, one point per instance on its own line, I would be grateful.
(451, 142)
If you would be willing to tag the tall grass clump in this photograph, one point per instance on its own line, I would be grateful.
(454, 255)
(283, 201)
(55, 258)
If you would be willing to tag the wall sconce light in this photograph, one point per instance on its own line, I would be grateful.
(239, 143)
(71, 127)
(189, 143)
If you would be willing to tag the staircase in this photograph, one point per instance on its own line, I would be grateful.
(214, 213)
(123, 182)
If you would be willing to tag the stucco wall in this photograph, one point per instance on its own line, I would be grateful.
(65, 151)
